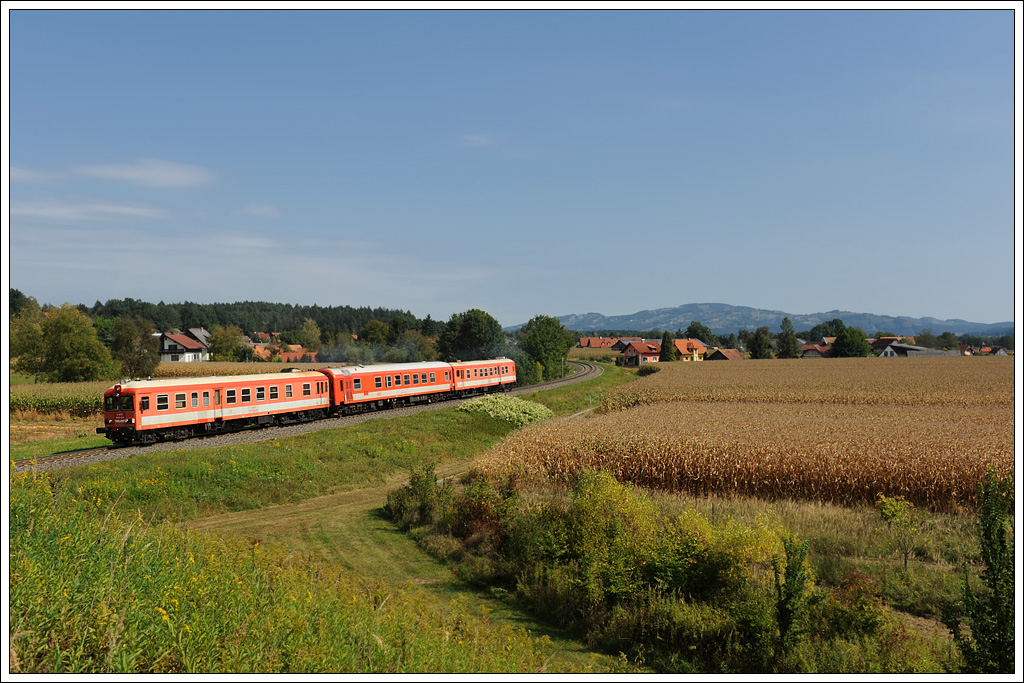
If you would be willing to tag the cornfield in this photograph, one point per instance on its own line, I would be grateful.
(80, 399)
(224, 368)
(839, 431)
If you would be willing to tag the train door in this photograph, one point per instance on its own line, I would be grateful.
(218, 405)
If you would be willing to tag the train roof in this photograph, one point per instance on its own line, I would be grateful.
(388, 367)
(476, 362)
(283, 376)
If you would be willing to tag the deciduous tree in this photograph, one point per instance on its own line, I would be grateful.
(471, 336)
(546, 341)
(227, 343)
(134, 347)
(851, 343)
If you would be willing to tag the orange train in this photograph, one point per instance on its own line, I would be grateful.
(147, 411)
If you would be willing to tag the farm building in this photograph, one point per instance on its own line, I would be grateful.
(725, 354)
(895, 350)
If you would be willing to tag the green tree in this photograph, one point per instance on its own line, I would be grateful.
(697, 330)
(412, 347)
(309, 336)
(134, 347)
(26, 337)
(760, 344)
(989, 645)
(851, 343)
(902, 522)
(71, 351)
(789, 345)
(17, 300)
(949, 341)
(668, 348)
(546, 341)
(472, 335)
(227, 343)
(926, 338)
(375, 332)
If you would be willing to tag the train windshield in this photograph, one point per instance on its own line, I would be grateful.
(119, 403)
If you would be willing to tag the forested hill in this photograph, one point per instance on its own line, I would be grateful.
(725, 319)
(252, 316)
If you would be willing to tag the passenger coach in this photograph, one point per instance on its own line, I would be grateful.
(148, 411)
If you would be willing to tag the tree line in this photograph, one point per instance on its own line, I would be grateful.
(78, 343)
(849, 340)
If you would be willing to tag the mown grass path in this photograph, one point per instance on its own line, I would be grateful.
(348, 530)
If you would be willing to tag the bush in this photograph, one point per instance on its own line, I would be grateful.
(646, 370)
(989, 648)
(515, 411)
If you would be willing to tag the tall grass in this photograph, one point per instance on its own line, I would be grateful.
(95, 588)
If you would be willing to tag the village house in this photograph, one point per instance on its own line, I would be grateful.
(641, 352)
(815, 351)
(597, 342)
(187, 347)
(690, 349)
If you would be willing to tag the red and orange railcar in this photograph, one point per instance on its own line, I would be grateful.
(147, 411)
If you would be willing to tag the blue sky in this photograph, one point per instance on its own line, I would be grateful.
(526, 162)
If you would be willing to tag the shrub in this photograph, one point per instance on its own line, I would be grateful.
(989, 648)
(646, 370)
(515, 411)
(418, 503)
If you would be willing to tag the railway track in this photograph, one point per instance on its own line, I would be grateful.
(581, 372)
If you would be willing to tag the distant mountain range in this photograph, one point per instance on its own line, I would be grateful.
(725, 319)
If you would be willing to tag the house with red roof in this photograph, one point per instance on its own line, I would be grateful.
(641, 352)
(690, 349)
(182, 348)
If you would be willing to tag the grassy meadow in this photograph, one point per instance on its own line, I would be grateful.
(451, 541)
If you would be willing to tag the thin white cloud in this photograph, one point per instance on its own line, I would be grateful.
(260, 211)
(245, 242)
(151, 173)
(24, 175)
(85, 211)
(476, 140)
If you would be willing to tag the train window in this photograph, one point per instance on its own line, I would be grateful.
(144, 403)
(415, 378)
(195, 399)
(398, 380)
(423, 377)
(216, 397)
(377, 382)
(206, 398)
(261, 394)
(287, 390)
(306, 389)
(357, 384)
(387, 381)
(432, 376)
(110, 403)
(162, 402)
(407, 380)
(273, 393)
(446, 376)
(246, 395)
(230, 396)
(179, 400)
